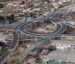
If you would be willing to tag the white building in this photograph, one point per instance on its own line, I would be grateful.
(65, 44)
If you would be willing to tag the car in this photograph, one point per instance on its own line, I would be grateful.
(51, 48)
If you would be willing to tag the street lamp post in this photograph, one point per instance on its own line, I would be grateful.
(62, 39)
(36, 40)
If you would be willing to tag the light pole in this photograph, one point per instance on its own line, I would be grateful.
(62, 39)
(36, 40)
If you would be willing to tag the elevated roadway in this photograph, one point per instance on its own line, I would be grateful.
(54, 17)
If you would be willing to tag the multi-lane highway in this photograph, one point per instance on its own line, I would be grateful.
(55, 18)
(61, 27)
(11, 49)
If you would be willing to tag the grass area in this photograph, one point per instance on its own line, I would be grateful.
(2, 51)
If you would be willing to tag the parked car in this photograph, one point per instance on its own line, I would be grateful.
(51, 48)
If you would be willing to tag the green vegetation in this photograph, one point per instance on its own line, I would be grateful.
(11, 18)
(25, 14)
(2, 20)
(7, 19)
(2, 44)
(2, 51)
(23, 2)
(33, 15)
(1, 5)
(47, 1)
(39, 60)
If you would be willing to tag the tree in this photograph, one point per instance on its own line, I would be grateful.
(25, 14)
(1, 5)
(2, 44)
(33, 15)
(23, 2)
(47, 1)
(11, 18)
(2, 20)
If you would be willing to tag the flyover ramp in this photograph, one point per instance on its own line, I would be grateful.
(55, 19)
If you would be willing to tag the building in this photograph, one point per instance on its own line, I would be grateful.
(6, 0)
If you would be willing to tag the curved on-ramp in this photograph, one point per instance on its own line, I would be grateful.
(61, 27)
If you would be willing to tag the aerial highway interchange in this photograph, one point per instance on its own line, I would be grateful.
(55, 18)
